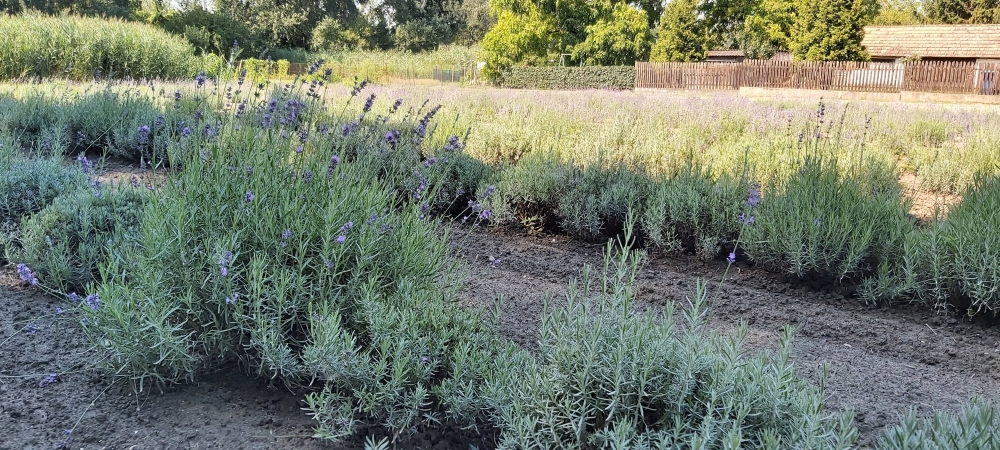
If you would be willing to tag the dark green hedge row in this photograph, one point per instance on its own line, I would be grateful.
(589, 77)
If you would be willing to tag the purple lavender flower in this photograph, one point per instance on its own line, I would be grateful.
(341, 239)
(489, 191)
(233, 298)
(248, 197)
(134, 180)
(430, 161)
(307, 176)
(159, 122)
(392, 138)
(73, 298)
(396, 105)
(746, 220)
(298, 150)
(324, 130)
(177, 95)
(369, 103)
(224, 271)
(485, 214)
(200, 79)
(185, 132)
(85, 164)
(303, 135)
(459, 192)
(753, 199)
(334, 161)
(731, 258)
(285, 235)
(59, 310)
(453, 144)
(26, 275)
(93, 301)
(49, 379)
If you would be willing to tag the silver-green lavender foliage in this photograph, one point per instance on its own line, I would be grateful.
(829, 222)
(28, 185)
(977, 425)
(690, 211)
(67, 242)
(608, 377)
(290, 241)
(952, 263)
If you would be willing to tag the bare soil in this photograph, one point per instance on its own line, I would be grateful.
(881, 360)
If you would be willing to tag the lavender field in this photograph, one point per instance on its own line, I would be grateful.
(430, 267)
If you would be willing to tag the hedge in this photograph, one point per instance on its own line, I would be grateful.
(587, 77)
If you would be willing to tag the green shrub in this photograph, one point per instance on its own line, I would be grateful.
(212, 32)
(80, 48)
(262, 70)
(68, 241)
(528, 192)
(597, 199)
(690, 211)
(316, 271)
(976, 426)
(588, 77)
(828, 223)
(605, 377)
(951, 263)
(28, 185)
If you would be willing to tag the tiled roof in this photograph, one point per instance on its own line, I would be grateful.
(933, 41)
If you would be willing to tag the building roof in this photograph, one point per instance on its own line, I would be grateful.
(933, 41)
(725, 53)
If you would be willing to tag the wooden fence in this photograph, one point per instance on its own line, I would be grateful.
(922, 76)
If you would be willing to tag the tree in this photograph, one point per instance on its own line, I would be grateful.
(475, 21)
(770, 25)
(330, 34)
(515, 39)
(831, 30)
(900, 12)
(682, 36)
(963, 11)
(618, 40)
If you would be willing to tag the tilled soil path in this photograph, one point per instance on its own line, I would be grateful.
(881, 360)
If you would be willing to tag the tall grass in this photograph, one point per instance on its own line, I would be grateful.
(388, 65)
(81, 48)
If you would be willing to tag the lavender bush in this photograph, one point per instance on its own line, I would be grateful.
(68, 241)
(294, 239)
(28, 185)
(606, 377)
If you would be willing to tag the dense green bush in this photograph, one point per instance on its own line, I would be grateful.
(587, 77)
(605, 377)
(829, 221)
(82, 48)
(597, 199)
(298, 248)
(976, 426)
(692, 212)
(951, 263)
(212, 32)
(66, 243)
(28, 185)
